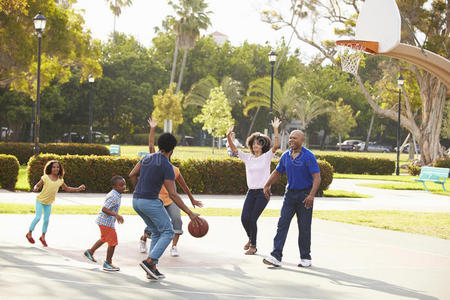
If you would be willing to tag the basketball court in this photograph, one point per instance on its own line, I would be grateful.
(349, 262)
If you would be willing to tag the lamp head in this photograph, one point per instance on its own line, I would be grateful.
(272, 57)
(400, 81)
(39, 22)
(91, 79)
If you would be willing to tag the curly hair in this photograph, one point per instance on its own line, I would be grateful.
(49, 165)
(261, 139)
(167, 142)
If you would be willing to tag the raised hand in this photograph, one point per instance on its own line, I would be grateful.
(151, 123)
(276, 123)
(230, 130)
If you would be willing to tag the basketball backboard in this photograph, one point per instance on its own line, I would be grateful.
(379, 21)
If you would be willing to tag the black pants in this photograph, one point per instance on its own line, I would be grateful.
(254, 204)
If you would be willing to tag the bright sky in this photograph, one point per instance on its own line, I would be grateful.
(238, 19)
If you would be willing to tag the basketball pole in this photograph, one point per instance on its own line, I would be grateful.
(400, 84)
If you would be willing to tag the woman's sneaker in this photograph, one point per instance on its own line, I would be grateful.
(151, 274)
(89, 256)
(110, 267)
(142, 246)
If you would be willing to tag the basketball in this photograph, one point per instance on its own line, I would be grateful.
(198, 231)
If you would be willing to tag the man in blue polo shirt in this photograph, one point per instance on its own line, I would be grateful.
(303, 180)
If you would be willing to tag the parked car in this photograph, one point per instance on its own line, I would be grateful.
(348, 145)
(72, 137)
(98, 137)
(374, 147)
(406, 148)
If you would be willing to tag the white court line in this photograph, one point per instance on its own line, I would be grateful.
(161, 290)
(382, 244)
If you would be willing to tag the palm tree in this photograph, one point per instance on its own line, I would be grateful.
(292, 101)
(116, 8)
(192, 18)
(200, 90)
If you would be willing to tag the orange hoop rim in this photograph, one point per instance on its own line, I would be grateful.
(366, 46)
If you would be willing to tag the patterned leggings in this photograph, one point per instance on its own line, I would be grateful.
(39, 208)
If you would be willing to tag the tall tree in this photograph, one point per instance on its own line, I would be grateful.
(191, 18)
(342, 120)
(216, 114)
(168, 107)
(430, 19)
(116, 8)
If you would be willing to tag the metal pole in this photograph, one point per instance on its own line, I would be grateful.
(397, 171)
(271, 100)
(90, 113)
(37, 120)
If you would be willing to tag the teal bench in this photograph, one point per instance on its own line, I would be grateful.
(142, 153)
(114, 150)
(436, 175)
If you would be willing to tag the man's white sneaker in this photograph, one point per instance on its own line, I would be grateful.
(270, 260)
(174, 251)
(305, 263)
(142, 246)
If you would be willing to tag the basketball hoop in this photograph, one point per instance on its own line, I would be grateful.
(351, 52)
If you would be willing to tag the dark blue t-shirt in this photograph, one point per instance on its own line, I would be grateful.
(299, 171)
(155, 168)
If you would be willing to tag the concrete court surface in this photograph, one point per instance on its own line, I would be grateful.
(349, 262)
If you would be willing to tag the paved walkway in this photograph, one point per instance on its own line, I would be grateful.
(381, 199)
(349, 261)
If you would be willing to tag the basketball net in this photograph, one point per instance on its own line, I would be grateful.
(350, 55)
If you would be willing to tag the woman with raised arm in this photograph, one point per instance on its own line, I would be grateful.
(257, 168)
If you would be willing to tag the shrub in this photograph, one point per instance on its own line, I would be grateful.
(442, 163)
(413, 170)
(9, 171)
(359, 165)
(23, 151)
(95, 172)
(209, 176)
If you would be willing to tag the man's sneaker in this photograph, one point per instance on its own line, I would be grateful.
(89, 256)
(305, 263)
(174, 251)
(270, 260)
(142, 246)
(110, 267)
(158, 274)
(151, 274)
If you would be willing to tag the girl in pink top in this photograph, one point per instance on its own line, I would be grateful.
(257, 168)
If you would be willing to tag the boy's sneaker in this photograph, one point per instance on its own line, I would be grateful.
(174, 251)
(149, 269)
(142, 246)
(270, 260)
(89, 256)
(110, 267)
(305, 263)
(158, 274)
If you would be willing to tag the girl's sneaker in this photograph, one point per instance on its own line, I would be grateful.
(44, 243)
(110, 267)
(89, 256)
(29, 238)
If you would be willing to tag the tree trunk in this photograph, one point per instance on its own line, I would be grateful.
(340, 142)
(432, 92)
(369, 133)
(174, 63)
(183, 64)
(253, 121)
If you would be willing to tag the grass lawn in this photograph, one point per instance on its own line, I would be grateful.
(401, 178)
(432, 224)
(411, 185)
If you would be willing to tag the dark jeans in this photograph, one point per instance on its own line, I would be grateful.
(292, 204)
(254, 204)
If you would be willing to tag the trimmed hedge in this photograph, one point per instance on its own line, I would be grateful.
(9, 171)
(414, 170)
(442, 163)
(23, 151)
(211, 176)
(359, 165)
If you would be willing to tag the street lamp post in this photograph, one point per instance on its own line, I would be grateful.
(272, 59)
(39, 24)
(400, 82)
(91, 80)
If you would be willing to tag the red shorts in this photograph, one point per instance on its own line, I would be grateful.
(108, 235)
